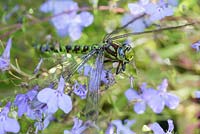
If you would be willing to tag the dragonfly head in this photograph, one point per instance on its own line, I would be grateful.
(126, 53)
(129, 54)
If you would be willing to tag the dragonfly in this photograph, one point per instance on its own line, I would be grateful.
(108, 51)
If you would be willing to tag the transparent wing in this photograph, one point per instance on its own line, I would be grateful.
(66, 69)
(91, 109)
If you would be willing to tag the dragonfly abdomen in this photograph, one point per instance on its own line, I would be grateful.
(68, 48)
(79, 48)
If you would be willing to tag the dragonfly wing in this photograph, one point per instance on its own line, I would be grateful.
(91, 109)
(69, 72)
(66, 69)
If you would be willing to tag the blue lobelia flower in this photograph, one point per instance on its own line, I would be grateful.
(196, 45)
(43, 123)
(159, 10)
(68, 23)
(158, 130)
(162, 98)
(140, 99)
(22, 101)
(80, 90)
(79, 127)
(8, 124)
(124, 128)
(136, 9)
(56, 98)
(5, 57)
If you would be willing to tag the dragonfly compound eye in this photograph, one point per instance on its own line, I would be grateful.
(129, 54)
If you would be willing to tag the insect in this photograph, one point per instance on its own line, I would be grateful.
(107, 51)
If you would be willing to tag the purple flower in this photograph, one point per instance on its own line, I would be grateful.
(162, 98)
(56, 98)
(8, 124)
(158, 130)
(36, 110)
(138, 25)
(22, 100)
(43, 123)
(110, 129)
(159, 10)
(196, 45)
(80, 90)
(124, 128)
(107, 78)
(79, 127)
(69, 23)
(5, 57)
(38, 66)
(140, 99)
(197, 94)
(156, 99)
(136, 9)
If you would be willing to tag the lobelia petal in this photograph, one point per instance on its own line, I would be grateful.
(163, 86)
(168, 11)
(45, 94)
(87, 70)
(110, 129)
(143, 2)
(4, 64)
(140, 107)
(47, 120)
(136, 9)
(47, 7)
(172, 101)
(151, 8)
(138, 25)
(52, 104)
(61, 85)
(6, 53)
(2, 131)
(11, 125)
(62, 32)
(148, 93)
(171, 125)
(86, 18)
(131, 94)
(156, 104)
(129, 123)
(22, 108)
(77, 123)
(156, 128)
(67, 132)
(197, 94)
(65, 103)
(61, 22)
(75, 31)
(173, 2)
(196, 45)
(122, 129)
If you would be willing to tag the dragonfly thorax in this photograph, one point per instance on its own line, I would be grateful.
(120, 53)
